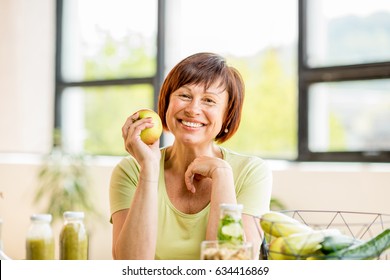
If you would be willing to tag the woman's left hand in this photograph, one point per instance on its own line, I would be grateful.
(206, 167)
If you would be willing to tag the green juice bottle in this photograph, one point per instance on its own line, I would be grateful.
(73, 237)
(40, 238)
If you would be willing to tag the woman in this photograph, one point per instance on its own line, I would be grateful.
(165, 202)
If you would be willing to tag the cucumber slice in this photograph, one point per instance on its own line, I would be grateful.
(233, 230)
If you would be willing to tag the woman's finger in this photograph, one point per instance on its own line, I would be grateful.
(189, 178)
(128, 123)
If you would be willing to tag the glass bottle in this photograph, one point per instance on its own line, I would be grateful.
(3, 256)
(73, 237)
(230, 228)
(40, 238)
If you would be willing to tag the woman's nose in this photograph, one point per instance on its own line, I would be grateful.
(193, 108)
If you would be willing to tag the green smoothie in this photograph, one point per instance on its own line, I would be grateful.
(40, 249)
(73, 242)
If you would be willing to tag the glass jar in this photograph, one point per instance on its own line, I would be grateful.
(3, 256)
(40, 238)
(230, 228)
(220, 250)
(73, 237)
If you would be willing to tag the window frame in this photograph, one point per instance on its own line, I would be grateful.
(60, 84)
(310, 75)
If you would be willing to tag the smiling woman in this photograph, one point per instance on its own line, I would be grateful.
(165, 202)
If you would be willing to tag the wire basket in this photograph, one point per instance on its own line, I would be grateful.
(361, 226)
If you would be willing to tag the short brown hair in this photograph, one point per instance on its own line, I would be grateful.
(205, 69)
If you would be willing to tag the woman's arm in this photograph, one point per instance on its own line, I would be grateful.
(222, 192)
(222, 189)
(252, 234)
(135, 228)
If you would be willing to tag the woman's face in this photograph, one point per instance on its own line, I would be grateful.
(195, 115)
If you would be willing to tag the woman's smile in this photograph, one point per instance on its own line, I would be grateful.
(192, 124)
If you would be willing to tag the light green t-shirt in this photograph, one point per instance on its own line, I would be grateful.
(180, 234)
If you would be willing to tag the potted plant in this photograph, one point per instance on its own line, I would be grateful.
(64, 183)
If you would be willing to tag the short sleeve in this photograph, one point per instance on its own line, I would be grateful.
(123, 183)
(254, 186)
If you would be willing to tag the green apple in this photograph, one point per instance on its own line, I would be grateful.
(151, 135)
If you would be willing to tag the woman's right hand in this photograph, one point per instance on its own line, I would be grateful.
(131, 131)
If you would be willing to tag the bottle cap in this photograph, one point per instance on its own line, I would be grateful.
(231, 207)
(73, 215)
(41, 217)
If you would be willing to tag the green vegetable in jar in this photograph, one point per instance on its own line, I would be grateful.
(73, 242)
(230, 229)
(40, 249)
(40, 239)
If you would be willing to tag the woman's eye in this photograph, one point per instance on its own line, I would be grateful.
(185, 96)
(209, 101)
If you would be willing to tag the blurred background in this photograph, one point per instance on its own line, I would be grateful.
(317, 102)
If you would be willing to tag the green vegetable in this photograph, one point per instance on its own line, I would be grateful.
(370, 249)
(333, 243)
(230, 230)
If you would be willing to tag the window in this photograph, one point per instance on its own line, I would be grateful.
(106, 69)
(344, 62)
(316, 72)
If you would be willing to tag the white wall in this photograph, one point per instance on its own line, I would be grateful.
(330, 186)
(26, 117)
(26, 75)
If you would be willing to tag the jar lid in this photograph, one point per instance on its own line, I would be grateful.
(41, 217)
(231, 207)
(73, 215)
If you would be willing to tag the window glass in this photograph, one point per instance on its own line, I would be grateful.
(93, 116)
(259, 39)
(349, 116)
(108, 39)
(347, 32)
